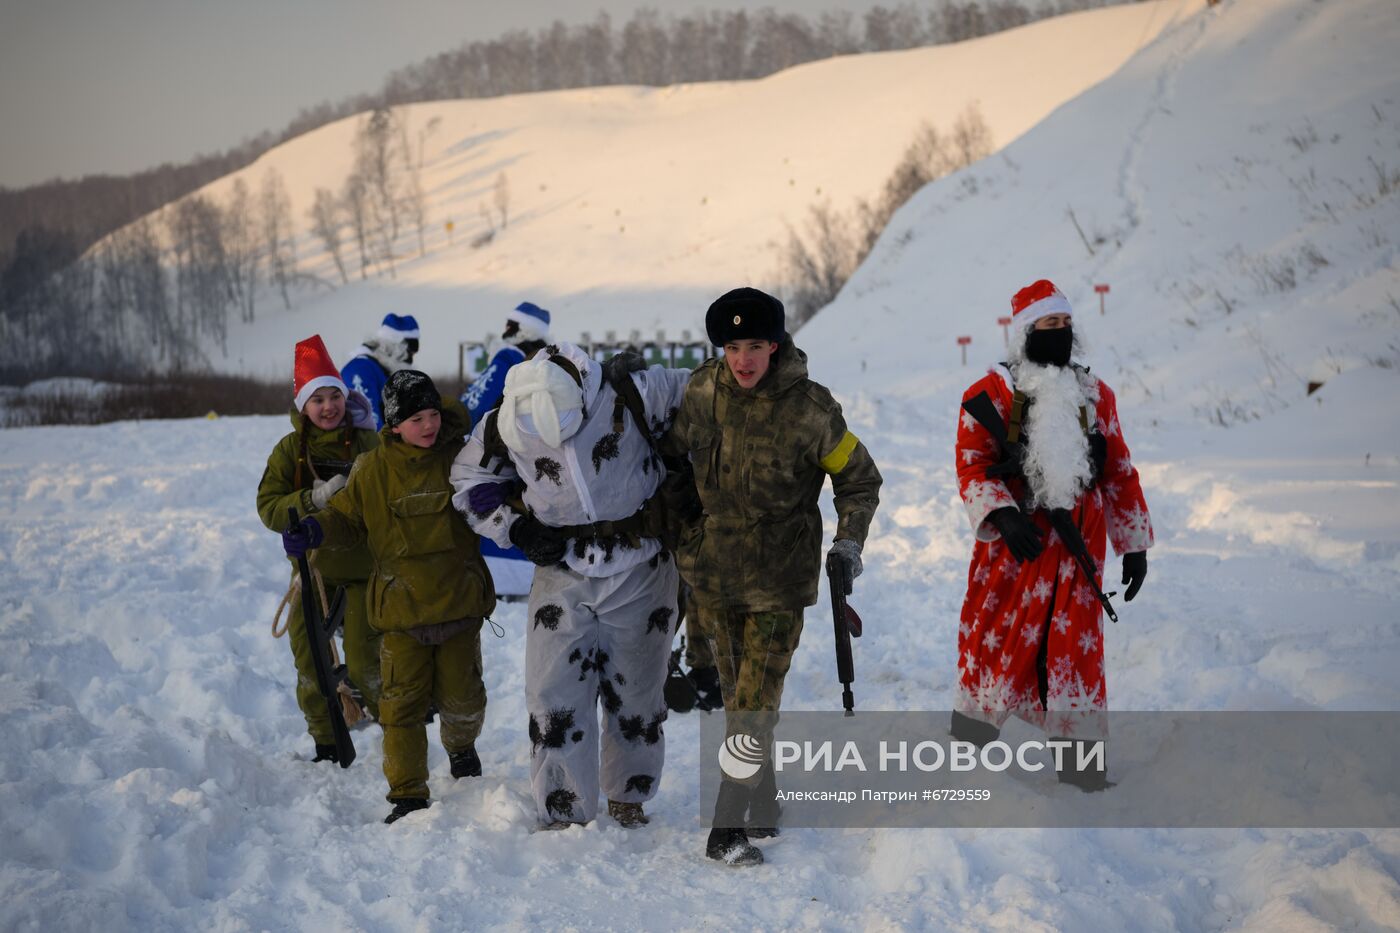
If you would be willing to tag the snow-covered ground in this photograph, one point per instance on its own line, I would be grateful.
(633, 208)
(152, 775)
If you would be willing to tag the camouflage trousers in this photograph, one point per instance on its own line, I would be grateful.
(753, 651)
(448, 675)
(595, 641)
(361, 648)
(698, 653)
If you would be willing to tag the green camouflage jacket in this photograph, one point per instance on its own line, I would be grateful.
(428, 566)
(761, 457)
(283, 487)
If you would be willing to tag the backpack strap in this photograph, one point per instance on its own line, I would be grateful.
(629, 398)
(493, 446)
(1018, 414)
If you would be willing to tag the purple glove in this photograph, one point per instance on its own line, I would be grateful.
(487, 497)
(299, 539)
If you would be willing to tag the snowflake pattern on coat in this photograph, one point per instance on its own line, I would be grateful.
(1013, 611)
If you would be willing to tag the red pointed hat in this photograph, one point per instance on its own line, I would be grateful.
(1036, 301)
(313, 370)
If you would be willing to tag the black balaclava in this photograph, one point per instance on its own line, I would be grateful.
(1050, 347)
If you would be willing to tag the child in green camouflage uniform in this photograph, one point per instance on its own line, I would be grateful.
(762, 439)
(430, 589)
(330, 428)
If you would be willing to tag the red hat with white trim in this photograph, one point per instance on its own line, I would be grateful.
(1038, 300)
(313, 370)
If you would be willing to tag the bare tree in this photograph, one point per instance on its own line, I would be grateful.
(325, 223)
(354, 198)
(278, 245)
(415, 200)
(377, 155)
(243, 248)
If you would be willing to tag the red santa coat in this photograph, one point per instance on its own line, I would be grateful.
(1012, 608)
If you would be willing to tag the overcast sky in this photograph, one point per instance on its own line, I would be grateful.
(121, 85)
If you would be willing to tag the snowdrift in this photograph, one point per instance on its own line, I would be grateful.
(154, 774)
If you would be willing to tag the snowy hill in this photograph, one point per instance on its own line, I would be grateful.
(634, 207)
(151, 777)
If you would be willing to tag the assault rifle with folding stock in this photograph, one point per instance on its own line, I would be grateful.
(847, 625)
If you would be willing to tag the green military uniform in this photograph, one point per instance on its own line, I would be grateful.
(287, 483)
(753, 560)
(428, 593)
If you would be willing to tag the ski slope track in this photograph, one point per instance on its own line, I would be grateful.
(154, 774)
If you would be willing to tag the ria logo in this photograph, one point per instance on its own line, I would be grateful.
(741, 756)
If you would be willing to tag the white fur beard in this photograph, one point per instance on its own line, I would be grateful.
(1056, 465)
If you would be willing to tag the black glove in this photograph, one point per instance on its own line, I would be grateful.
(621, 363)
(1018, 531)
(1134, 572)
(1098, 455)
(1012, 463)
(540, 543)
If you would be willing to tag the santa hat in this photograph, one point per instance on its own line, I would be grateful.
(1037, 300)
(398, 328)
(313, 370)
(533, 321)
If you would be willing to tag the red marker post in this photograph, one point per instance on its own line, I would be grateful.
(1005, 323)
(963, 342)
(1102, 290)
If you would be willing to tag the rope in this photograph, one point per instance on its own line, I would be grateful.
(349, 708)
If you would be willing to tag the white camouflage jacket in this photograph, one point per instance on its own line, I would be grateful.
(594, 475)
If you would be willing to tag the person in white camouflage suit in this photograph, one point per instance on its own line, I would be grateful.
(563, 471)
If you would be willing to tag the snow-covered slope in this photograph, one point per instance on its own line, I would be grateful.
(150, 777)
(634, 207)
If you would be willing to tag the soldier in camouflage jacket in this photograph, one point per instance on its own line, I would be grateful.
(762, 438)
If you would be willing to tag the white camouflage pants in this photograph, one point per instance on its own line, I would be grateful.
(595, 640)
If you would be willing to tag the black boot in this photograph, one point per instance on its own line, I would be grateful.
(465, 763)
(706, 681)
(764, 809)
(967, 729)
(1090, 778)
(728, 842)
(404, 806)
(326, 753)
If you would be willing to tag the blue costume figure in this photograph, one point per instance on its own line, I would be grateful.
(388, 350)
(525, 334)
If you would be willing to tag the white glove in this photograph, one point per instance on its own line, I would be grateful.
(323, 489)
(848, 551)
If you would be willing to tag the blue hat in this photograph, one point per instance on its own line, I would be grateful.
(533, 320)
(399, 327)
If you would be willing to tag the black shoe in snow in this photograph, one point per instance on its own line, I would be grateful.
(627, 815)
(404, 806)
(732, 847)
(465, 763)
(966, 729)
(1089, 779)
(762, 832)
(326, 753)
(706, 681)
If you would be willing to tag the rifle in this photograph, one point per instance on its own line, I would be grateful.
(325, 469)
(982, 410)
(847, 625)
(319, 630)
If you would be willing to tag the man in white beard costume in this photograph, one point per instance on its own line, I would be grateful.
(1030, 642)
(563, 471)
